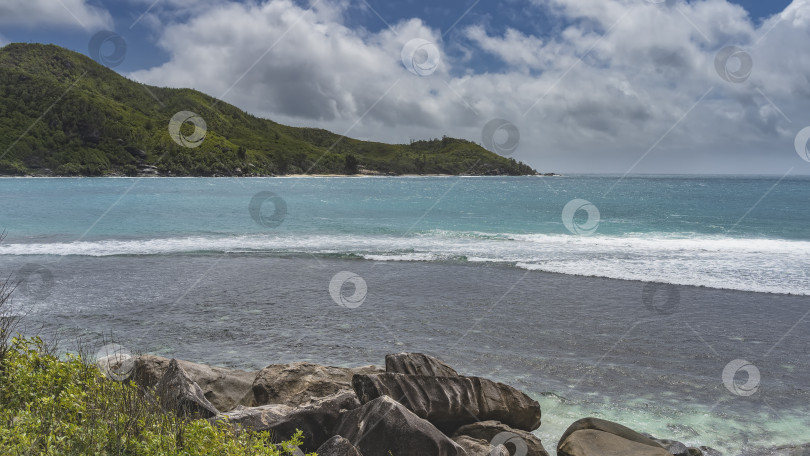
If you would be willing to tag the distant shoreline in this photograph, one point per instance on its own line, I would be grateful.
(114, 176)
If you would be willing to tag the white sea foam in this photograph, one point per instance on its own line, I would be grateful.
(761, 265)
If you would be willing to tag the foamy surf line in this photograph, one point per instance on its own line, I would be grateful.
(756, 265)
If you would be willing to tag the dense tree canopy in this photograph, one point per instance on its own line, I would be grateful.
(62, 113)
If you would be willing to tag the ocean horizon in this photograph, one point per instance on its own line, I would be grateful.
(748, 233)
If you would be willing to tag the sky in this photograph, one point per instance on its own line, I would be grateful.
(568, 86)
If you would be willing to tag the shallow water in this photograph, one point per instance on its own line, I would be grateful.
(594, 343)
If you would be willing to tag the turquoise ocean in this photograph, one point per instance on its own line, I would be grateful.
(631, 298)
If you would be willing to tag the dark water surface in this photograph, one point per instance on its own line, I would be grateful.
(653, 359)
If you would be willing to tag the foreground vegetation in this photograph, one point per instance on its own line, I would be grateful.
(53, 406)
(62, 113)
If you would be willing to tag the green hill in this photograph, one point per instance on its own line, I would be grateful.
(62, 113)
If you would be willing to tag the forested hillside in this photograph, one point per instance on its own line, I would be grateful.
(62, 113)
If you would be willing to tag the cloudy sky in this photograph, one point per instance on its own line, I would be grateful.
(590, 86)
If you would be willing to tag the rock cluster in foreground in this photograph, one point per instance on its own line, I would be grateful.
(417, 405)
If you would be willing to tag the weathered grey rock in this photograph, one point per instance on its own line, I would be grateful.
(477, 447)
(316, 420)
(179, 393)
(260, 418)
(673, 446)
(451, 402)
(680, 449)
(338, 446)
(707, 451)
(299, 383)
(224, 388)
(384, 425)
(591, 442)
(609, 427)
(418, 364)
(145, 169)
(285, 450)
(497, 432)
(596, 437)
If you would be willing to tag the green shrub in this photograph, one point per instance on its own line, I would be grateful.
(52, 406)
(14, 168)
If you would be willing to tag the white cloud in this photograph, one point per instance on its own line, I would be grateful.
(594, 97)
(277, 58)
(515, 48)
(63, 13)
